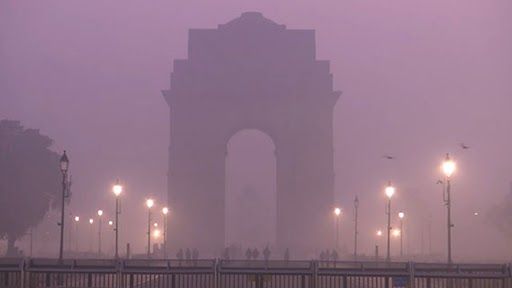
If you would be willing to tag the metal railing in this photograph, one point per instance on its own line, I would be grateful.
(135, 273)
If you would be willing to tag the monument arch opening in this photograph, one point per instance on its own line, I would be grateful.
(251, 203)
(251, 73)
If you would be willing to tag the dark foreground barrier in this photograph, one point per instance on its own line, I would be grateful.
(25, 273)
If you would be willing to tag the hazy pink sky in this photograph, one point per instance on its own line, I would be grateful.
(418, 77)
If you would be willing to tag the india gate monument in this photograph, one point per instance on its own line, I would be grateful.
(251, 73)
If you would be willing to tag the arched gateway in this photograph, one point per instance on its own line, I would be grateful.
(251, 73)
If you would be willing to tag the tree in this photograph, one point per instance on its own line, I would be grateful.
(29, 180)
(501, 215)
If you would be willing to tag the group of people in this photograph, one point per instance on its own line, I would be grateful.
(329, 255)
(254, 254)
(187, 254)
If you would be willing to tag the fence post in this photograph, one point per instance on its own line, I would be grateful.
(119, 275)
(47, 279)
(89, 279)
(314, 275)
(216, 273)
(411, 275)
(22, 280)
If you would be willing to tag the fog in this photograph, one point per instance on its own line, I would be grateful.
(418, 79)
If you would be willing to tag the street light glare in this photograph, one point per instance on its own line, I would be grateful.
(155, 224)
(150, 203)
(156, 234)
(390, 190)
(337, 211)
(100, 212)
(396, 233)
(77, 218)
(110, 222)
(91, 220)
(401, 215)
(448, 166)
(165, 210)
(379, 232)
(117, 189)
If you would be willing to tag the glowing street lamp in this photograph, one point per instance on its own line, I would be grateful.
(156, 234)
(165, 211)
(77, 219)
(117, 189)
(448, 167)
(389, 191)
(64, 166)
(149, 203)
(91, 221)
(100, 213)
(378, 234)
(337, 213)
(396, 233)
(401, 215)
(110, 223)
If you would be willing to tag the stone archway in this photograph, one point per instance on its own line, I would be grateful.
(250, 196)
(251, 73)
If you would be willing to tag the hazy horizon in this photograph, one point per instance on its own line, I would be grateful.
(418, 79)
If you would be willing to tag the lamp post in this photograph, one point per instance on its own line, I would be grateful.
(337, 213)
(390, 190)
(77, 219)
(117, 189)
(165, 211)
(111, 224)
(401, 215)
(64, 165)
(356, 208)
(448, 167)
(91, 221)
(379, 234)
(149, 203)
(100, 213)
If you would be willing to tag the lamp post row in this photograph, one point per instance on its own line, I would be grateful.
(448, 167)
(117, 190)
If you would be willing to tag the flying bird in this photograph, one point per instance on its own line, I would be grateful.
(464, 146)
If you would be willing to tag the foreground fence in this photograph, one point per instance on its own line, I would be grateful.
(24, 273)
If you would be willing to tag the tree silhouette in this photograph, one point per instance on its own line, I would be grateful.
(29, 180)
(500, 215)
